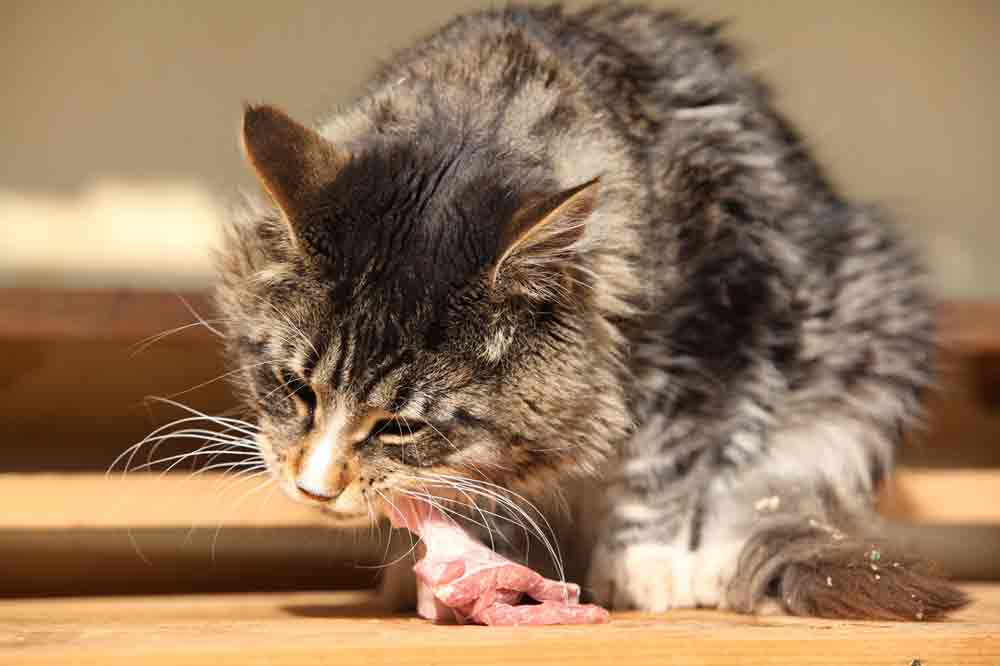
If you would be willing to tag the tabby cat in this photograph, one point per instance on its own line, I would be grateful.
(579, 259)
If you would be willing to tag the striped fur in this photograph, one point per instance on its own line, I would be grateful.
(727, 353)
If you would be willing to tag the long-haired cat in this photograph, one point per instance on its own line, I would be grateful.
(578, 259)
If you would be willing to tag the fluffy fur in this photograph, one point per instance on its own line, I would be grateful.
(721, 347)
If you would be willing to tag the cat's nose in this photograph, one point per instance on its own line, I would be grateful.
(312, 494)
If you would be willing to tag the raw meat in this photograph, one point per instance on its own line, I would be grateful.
(461, 579)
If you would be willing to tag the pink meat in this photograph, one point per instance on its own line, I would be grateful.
(461, 579)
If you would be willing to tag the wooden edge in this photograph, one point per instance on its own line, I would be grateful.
(968, 326)
(69, 501)
(179, 560)
(64, 501)
(348, 628)
(966, 496)
(961, 552)
(94, 313)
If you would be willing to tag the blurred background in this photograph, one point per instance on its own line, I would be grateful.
(118, 137)
(120, 118)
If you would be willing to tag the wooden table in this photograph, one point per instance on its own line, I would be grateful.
(324, 628)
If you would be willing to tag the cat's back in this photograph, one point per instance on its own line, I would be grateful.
(633, 63)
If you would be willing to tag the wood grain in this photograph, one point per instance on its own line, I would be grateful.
(970, 326)
(99, 314)
(72, 390)
(349, 628)
(39, 313)
(67, 501)
(943, 496)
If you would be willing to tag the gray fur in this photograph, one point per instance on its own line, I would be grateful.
(727, 354)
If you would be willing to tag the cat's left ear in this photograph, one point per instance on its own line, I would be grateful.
(293, 162)
(542, 233)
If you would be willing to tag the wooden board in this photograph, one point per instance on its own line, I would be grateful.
(72, 389)
(66, 501)
(99, 314)
(971, 326)
(122, 313)
(348, 628)
(91, 534)
(38, 563)
(138, 500)
(943, 496)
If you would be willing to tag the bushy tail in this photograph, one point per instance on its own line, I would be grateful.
(821, 572)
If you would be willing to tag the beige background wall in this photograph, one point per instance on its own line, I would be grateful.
(118, 132)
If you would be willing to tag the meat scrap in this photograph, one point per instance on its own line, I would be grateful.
(462, 580)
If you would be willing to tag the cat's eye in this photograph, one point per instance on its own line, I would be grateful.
(396, 430)
(299, 390)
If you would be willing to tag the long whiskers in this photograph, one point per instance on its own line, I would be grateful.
(505, 500)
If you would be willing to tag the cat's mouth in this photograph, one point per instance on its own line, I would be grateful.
(347, 508)
(347, 518)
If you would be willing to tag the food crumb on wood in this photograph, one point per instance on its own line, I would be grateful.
(767, 503)
(829, 581)
(834, 533)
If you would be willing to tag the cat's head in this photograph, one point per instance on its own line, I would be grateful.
(414, 312)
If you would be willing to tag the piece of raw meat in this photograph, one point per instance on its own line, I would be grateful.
(463, 580)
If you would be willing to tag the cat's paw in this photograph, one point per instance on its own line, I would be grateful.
(657, 577)
(637, 576)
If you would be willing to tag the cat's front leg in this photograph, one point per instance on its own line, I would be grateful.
(650, 554)
(795, 523)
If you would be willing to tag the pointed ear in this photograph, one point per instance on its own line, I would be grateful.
(543, 231)
(292, 162)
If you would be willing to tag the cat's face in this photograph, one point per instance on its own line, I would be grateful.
(403, 324)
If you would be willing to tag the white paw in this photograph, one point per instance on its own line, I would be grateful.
(638, 576)
(658, 577)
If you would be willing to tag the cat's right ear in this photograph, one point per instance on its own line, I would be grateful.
(292, 161)
(540, 237)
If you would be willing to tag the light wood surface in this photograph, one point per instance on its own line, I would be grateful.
(348, 628)
(943, 496)
(140, 500)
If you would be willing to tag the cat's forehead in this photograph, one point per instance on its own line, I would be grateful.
(401, 229)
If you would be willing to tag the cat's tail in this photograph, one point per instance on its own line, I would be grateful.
(816, 570)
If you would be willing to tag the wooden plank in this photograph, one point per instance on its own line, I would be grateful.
(91, 534)
(964, 552)
(349, 628)
(179, 560)
(99, 314)
(970, 326)
(71, 386)
(143, 500)
(942, 496)
(68, 501)
(76, 403)
(58, 531)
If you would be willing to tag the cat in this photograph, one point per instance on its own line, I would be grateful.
(580, 257)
